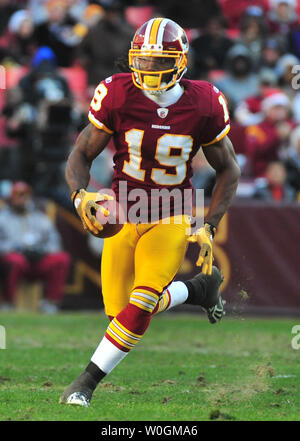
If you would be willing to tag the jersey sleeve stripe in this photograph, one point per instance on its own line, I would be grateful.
(220, 135)
(99, 124)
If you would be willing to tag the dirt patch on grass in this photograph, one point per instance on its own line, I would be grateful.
(233, 393)
(265, 370)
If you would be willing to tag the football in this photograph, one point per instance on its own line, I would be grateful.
(113, 223)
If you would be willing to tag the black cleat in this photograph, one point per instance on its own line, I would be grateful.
(204, 291)
(215, 313)
(78, 393)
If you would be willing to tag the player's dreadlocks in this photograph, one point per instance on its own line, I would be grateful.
(121, 63)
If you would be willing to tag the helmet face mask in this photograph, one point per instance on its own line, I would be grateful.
(158, 55)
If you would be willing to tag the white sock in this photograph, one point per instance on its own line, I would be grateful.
(178, 293)
(107, 356)
(174, 295)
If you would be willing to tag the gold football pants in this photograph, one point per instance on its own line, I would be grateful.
(142, 255)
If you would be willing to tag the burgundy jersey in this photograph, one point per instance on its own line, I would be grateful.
(155, 146)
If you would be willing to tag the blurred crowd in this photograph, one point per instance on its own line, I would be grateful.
(53, 53)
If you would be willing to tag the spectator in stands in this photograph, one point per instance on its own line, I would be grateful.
(283, 70)
(233, 9)
(6, 11)
(92, 14)
(89, 18)
(41, 116)
(240, 82)
(293, 40)
(31, 249)
(291, 160)
(104, 43)
(286, 74)
(38, 9)
(265, 140)
(7, 8)
(253, 31)
(282, 17)
(273, 48)
(43, 81)
(22, 43)
(274, 186)
(76, 8)
(210, 48)
(57, 32)
(249, 112)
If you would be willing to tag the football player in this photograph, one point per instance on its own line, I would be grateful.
(158, 122)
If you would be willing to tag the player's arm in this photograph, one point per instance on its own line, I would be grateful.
(89, 144)
(221, 157)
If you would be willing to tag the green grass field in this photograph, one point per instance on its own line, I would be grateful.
(185, 369)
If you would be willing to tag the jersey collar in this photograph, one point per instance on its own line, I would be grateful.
(166, 98)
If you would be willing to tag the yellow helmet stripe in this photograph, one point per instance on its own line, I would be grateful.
(154, 30)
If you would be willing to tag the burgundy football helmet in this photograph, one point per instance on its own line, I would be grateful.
(163, 38)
